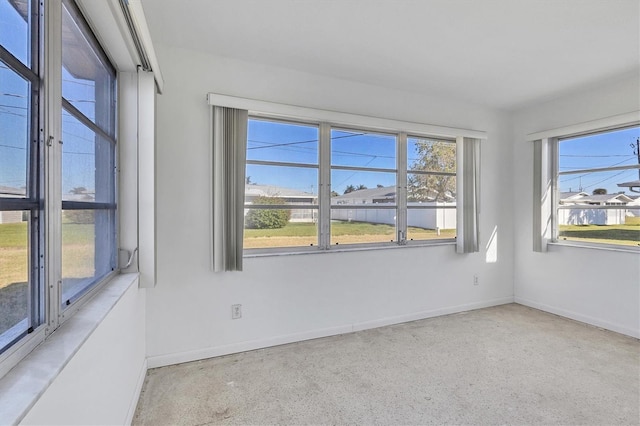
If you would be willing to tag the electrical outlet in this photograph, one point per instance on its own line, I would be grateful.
(476, 281)
(236, 311)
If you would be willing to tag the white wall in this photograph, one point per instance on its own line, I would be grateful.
(570, 281)
(290, 298)
(101, 383)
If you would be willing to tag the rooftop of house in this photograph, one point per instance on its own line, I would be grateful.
(256, 190)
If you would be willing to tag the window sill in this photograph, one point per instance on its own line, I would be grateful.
(23, 385)
(296, 251)
(606, 247)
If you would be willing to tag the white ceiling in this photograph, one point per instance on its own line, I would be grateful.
(501, 53)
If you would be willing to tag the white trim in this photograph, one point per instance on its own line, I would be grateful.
(272, 109)
(187, 356)
(142, 30)
(136, 394)
(146, 196)
(618, 328)
(613, 121)
(107, 21)
(594, 245)
(21, 388)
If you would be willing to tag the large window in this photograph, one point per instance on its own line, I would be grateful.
(321, 186)
(598, 188)
(57, 168)
(88, 159)
(21, 163)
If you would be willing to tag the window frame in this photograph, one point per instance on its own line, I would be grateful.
(555, 142)
(33, 200)
(108, 136)
(324, 199)
(45, 171)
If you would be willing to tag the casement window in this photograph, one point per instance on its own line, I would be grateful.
(57, 168)
(598, 189)
(281, 191)
(587, 185)
(319, 185)
(291, 179)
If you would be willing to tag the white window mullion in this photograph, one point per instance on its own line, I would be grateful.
(52, 94)
(401, 188)
(324, 193)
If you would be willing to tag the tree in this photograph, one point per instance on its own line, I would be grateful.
(349, 189)
(267, 218)
(599, 191)
(80, 217)
(361, 186)
(432, 156)
(334, 194)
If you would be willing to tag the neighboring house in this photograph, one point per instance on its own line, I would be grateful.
(588, 216)
(420, 218)
(11, 216)
(290, 196)
(385, 194)
(634, 185)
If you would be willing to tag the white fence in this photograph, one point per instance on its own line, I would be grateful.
(593, 216)
(419, 218)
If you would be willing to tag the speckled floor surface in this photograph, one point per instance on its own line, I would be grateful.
(502, 365)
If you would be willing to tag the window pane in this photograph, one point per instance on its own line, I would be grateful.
(265, 228)
(609, 149)
(359, 226)
(14, 133)
(578, 217)
(88, 244)
(363, 149)
(87, 82)
(294, 185)
(603, 183)
(430, 188)
(362, 187)
(282, 142)
(431, 224)
(15, 24)
(14, 275)
(87, 163)
(431, 155)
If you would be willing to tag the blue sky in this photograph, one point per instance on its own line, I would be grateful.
(78, 147)
(597, 151)
(266, 140)
(298, 143)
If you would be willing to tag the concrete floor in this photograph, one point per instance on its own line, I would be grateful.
(502, 365)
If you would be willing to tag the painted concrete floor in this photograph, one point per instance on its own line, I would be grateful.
(503, 365)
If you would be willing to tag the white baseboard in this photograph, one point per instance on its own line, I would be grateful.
(430, 314)
(598, 322)
(187, 356)
(136, 394)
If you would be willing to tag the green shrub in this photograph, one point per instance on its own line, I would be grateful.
(267, 218)
(80, 216)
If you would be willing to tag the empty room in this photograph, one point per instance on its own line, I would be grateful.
(319, 212)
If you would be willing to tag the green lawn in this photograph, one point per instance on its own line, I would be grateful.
(78, 251)
(13, 235)
(305, 234)
(628, 235)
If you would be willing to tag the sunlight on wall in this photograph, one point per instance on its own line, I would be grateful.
(492, 247)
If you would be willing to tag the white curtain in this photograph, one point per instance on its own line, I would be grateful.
(542, 193)
(229, 147)
(468, 196)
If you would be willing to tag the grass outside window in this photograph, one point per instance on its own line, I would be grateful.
(305, 234)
